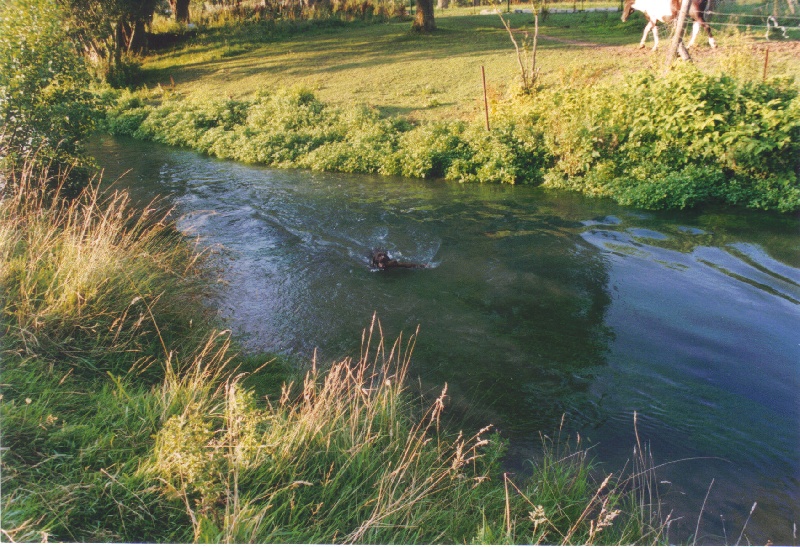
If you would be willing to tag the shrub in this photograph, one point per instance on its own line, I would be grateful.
(46, 108)
(361, 143)
(654, 135)
(428, 150)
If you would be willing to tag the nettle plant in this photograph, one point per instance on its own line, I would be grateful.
(680, 141)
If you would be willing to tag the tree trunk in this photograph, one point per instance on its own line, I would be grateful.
(138, 40)
(181, 10)
(423, 21)
(120, 42)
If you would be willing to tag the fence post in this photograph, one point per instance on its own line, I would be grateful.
(485, 99)
(677, 38)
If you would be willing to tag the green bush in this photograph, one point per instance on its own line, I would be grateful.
(46, 107)
(427, 151)
(680, 141)
(363, 142)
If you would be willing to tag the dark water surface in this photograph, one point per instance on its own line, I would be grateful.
(537, 305)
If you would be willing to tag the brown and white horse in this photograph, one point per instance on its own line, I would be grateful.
(666, 11)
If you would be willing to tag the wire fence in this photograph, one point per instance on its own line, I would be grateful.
(750, 13)
(777, 15)
(778, 18)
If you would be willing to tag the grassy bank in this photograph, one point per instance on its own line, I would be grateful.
(126, 417)
(683, 140)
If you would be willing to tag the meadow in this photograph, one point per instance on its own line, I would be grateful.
(438, 76)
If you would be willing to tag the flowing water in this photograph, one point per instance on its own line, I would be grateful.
(535, 305)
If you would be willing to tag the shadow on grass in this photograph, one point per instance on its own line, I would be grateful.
(255, 49)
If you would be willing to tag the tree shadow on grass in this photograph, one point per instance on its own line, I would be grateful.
(338, 49)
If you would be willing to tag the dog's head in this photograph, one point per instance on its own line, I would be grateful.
(380, 259)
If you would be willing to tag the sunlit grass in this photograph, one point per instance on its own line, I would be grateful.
(82, 283)
(347, 456)
(434, 76)
(382, 65)
(89, 275)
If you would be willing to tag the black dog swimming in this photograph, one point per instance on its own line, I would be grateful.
(382, 261)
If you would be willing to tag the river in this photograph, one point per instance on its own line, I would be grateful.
(536, 305)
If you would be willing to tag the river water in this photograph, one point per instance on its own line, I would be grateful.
(536, 305)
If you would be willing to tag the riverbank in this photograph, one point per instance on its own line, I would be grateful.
(681, 141)
(127, 416)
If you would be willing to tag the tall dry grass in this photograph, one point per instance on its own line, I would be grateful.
(349, 456)
(335, 458)
(98, 303)
(88, 276)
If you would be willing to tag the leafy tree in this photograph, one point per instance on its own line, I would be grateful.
(109, 29)
(45, 105)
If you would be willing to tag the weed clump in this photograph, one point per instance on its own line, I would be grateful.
(86, 278)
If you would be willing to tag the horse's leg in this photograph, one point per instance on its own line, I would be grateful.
(711, 41)
(695, 32)
(697, 11)
(644, 35)
(655, 36)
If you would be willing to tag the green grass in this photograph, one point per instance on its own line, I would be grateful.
(434, 76)
(127, 416)
(380, 65)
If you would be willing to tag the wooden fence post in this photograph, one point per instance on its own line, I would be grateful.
(677, 38)
(485, 99)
